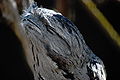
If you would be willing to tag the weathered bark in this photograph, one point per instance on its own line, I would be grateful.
(10, 17)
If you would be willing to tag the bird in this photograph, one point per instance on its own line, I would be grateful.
(58, 49)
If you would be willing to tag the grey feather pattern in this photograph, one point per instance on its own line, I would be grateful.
(56, 40)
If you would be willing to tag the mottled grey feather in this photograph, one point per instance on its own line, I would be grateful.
(55, 39)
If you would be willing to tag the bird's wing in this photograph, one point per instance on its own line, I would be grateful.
(56, 40)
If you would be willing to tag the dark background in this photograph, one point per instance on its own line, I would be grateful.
(12, 62)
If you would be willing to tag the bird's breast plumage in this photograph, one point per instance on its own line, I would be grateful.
(51, 33)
